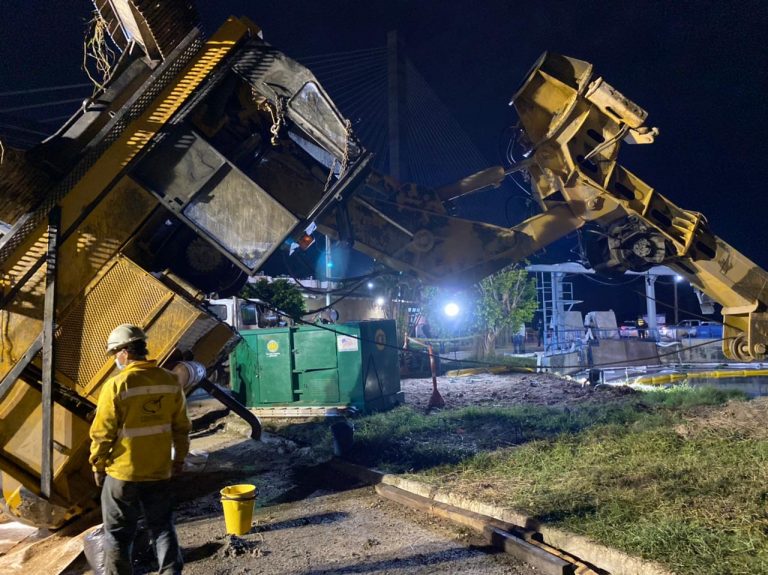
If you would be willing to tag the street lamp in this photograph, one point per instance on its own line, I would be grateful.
(328, 267)
(678, 279)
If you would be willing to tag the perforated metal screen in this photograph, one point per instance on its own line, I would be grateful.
(125, 294)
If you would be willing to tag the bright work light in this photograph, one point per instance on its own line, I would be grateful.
(451, 309)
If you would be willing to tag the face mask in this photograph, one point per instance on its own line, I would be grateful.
(119, 365)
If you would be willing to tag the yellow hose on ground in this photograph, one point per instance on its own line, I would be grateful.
(717, 374)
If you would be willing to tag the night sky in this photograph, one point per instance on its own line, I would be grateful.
(699, 68)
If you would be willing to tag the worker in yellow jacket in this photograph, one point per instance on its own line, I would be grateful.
(141, 415)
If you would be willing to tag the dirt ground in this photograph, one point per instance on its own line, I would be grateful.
(505, 390)
(309, 521)
(746, 418)
(353, 531)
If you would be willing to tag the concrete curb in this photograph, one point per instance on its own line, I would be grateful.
(614, 561)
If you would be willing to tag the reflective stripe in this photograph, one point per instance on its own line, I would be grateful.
(147, 430)
(149, 390)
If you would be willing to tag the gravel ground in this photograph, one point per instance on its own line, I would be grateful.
(354, 531)
(310, 523)
(307, 521)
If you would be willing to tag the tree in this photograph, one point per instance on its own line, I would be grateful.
(280, 294)
(506, 299)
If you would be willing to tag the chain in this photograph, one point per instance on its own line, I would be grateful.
(344, 163)
(345, 154)
(330, 175)
(276, 111)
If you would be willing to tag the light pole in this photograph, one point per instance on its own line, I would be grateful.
(677, 280)
(328, 266)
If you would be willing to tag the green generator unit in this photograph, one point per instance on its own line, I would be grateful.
(317, 369)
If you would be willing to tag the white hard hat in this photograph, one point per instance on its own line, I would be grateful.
(123, 335)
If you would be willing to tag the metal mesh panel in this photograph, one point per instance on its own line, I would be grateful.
(168, 21)
(124, 295)
(30, 268)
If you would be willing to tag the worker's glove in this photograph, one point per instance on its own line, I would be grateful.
(98, 477)
(178, 467)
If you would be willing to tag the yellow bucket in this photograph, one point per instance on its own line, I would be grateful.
(238, 501)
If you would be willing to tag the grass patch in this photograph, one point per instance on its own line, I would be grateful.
(620, 474)
(684, 396)
(635, 475)
(404, 439)
(697, 505)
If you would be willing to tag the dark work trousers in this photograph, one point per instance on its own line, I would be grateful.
(121, 505)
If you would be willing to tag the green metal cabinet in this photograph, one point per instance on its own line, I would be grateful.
(352, 365)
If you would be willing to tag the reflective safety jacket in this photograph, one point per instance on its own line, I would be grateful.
(141, 413)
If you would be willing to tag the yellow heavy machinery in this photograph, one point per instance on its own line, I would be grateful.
(573, 124)
(198, 159)
(159, 191)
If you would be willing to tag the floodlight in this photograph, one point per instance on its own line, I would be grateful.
(451, 309)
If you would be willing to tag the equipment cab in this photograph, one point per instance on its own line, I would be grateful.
(243, 314)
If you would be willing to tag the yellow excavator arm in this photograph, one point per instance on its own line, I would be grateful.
(574, 124)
